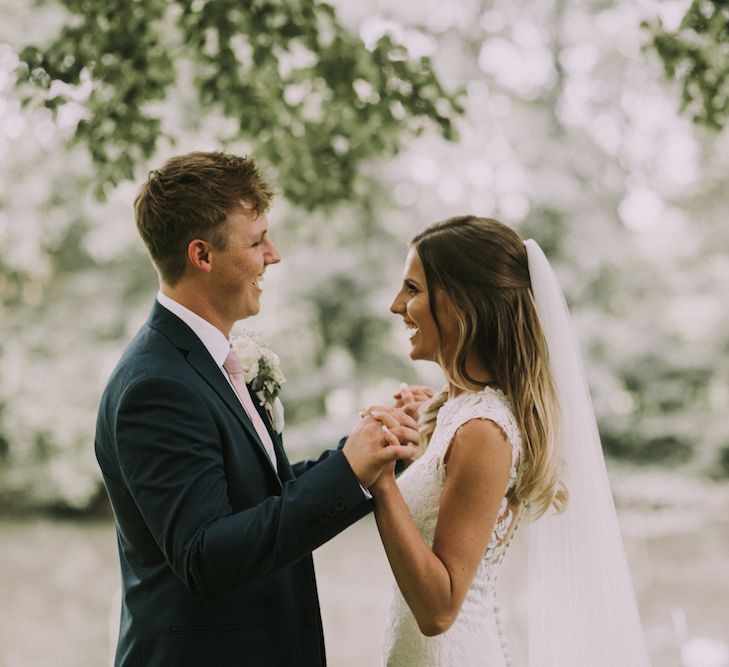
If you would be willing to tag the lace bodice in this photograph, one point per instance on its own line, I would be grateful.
(476, 637)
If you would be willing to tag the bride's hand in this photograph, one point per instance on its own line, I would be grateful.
(411, 396)
(401, 424)
(394, 434)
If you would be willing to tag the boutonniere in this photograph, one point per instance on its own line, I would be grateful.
(262, 371)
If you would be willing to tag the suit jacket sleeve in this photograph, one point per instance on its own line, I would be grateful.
(170, 459)
(300, 467)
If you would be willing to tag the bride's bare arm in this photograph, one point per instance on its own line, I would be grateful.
(434, 581)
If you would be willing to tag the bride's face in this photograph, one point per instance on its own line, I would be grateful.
(412, 303)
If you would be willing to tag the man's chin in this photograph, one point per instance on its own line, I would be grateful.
(251, 310)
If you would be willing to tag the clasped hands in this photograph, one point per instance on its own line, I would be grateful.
(385, 435)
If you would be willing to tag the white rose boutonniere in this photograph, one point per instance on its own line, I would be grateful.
(262, 371)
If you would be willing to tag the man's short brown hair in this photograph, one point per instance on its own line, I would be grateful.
(191, 197)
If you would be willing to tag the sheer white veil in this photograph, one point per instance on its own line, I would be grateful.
(582, 610)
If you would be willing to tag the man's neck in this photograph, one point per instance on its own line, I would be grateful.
(197, 303)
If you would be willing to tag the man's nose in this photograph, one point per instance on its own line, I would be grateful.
(273, 256)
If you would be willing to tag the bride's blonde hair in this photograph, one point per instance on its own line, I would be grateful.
(480, 265)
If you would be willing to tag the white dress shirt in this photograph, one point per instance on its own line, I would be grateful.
(218, 346)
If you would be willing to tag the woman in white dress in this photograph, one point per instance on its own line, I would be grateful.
(494, 458)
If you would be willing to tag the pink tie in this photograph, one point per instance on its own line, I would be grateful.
(235, 373)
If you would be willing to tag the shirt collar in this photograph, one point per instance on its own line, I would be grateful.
(211, 337)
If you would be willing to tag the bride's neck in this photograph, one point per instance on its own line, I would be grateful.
(475, 369)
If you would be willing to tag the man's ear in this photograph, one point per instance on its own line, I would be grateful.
(198, 253)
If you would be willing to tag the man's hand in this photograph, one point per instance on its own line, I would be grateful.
(371, 448)
(411, 396)
(396, 422)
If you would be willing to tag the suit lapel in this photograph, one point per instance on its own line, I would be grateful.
(284, 467)
(199, 358)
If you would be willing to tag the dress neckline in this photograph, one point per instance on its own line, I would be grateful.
(486, 389)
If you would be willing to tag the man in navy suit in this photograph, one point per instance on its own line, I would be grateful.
(215, 527)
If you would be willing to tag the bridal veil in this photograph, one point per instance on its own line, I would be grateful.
(582, 610)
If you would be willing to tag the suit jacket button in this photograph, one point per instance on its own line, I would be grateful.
(339, 506)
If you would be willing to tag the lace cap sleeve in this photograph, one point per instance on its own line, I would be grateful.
(489, 404)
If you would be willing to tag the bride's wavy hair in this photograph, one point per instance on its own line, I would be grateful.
(480, 265)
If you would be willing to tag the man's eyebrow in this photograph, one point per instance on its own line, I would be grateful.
(257, 237)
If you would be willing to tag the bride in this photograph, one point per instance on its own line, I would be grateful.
(510, 443)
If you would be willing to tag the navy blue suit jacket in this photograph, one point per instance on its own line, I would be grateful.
(215, 546)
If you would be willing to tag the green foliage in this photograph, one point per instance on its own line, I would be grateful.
(560, 157)
(723, 462)
(665, 450)
(311, 101)
(66, 306)
(342, 321)
(697, 55)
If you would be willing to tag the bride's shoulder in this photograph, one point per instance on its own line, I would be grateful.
(489, 403)
(489, 398)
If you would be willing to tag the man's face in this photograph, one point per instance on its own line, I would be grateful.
(237, 271)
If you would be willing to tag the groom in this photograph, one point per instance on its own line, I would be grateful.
(215, 527)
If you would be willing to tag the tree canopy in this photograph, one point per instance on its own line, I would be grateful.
(570, 135)
(311, 101)
(697, 55)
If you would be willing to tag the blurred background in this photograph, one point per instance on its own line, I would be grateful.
(595, 127)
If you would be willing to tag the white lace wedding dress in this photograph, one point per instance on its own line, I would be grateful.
(477, 637)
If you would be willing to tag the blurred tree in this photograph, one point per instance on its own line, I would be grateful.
(312, 101)
(283, 80)
(697, 55)
(569, 136)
